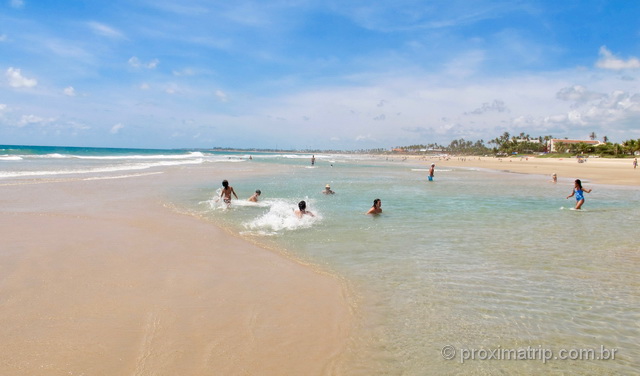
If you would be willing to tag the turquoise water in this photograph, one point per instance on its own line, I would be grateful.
(475, 260)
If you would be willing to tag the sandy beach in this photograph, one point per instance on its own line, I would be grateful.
(596, 170)
(98, 277)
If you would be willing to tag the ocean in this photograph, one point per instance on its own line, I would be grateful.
(478, 272)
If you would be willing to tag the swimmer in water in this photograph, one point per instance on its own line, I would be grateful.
(327, 190)
(255, 196)
(376, 208)
(302, 210)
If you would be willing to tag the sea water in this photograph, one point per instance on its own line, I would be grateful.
(476, 261)
(477, 266)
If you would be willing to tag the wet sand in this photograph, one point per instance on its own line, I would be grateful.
(100, 278)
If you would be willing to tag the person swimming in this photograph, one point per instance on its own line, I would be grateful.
(376, 208)
(302, 210)
(327, 190)
(578, 191)
(254, 197)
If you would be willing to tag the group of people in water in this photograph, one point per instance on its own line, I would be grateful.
(228, 190)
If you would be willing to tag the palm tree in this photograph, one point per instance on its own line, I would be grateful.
(592, 136)
(605, 139)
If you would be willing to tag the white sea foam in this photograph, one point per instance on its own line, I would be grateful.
(10, 158)
(123, 176)
(113, 168)
(281, 217)
(134, 157)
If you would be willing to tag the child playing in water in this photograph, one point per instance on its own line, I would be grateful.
(227, 190)
(302, 210)
(254, 198)
(578, 191)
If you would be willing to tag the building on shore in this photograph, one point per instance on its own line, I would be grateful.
(553, 143)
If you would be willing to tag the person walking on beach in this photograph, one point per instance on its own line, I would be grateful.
(254, 198)
(635, 163)
(432, 171)
(578, 191)
(302, 210)
(327, 190)
(227, 190)
(376, 208)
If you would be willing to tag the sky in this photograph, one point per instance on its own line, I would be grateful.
(315, 74)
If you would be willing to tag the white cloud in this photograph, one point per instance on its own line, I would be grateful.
(578, 93)
(69, 91)
(3, 37)
(365, 138)
(31, 119)
(609, 61)
(184, 72)
(497, 105)
(222, 96)
(17, 4)
(116, 128)
(136, 63)
(104, 30)
(144, 86)
(17, 80)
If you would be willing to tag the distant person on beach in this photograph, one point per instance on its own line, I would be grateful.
(578, 191)
(227, 190)
(554, 178)
(302, 210)
(313, 160)
(255, 196)
(432, 171)
(635, 163)
(327, 190)
(376, 208)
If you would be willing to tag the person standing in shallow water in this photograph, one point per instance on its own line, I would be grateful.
(313, 160)
(432, 171)
(227, 190)
(578, 191)
(376, 208)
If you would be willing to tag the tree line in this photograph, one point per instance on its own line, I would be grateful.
(507, 144)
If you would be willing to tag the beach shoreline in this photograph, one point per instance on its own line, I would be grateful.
(102, 277)
(615, 171)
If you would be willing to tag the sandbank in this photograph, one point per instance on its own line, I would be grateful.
(596, 170)
(99, 277)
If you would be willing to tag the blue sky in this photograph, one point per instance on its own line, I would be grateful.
(315, 74)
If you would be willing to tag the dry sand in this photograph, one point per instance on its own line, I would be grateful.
(596, 170)
(99, 278)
